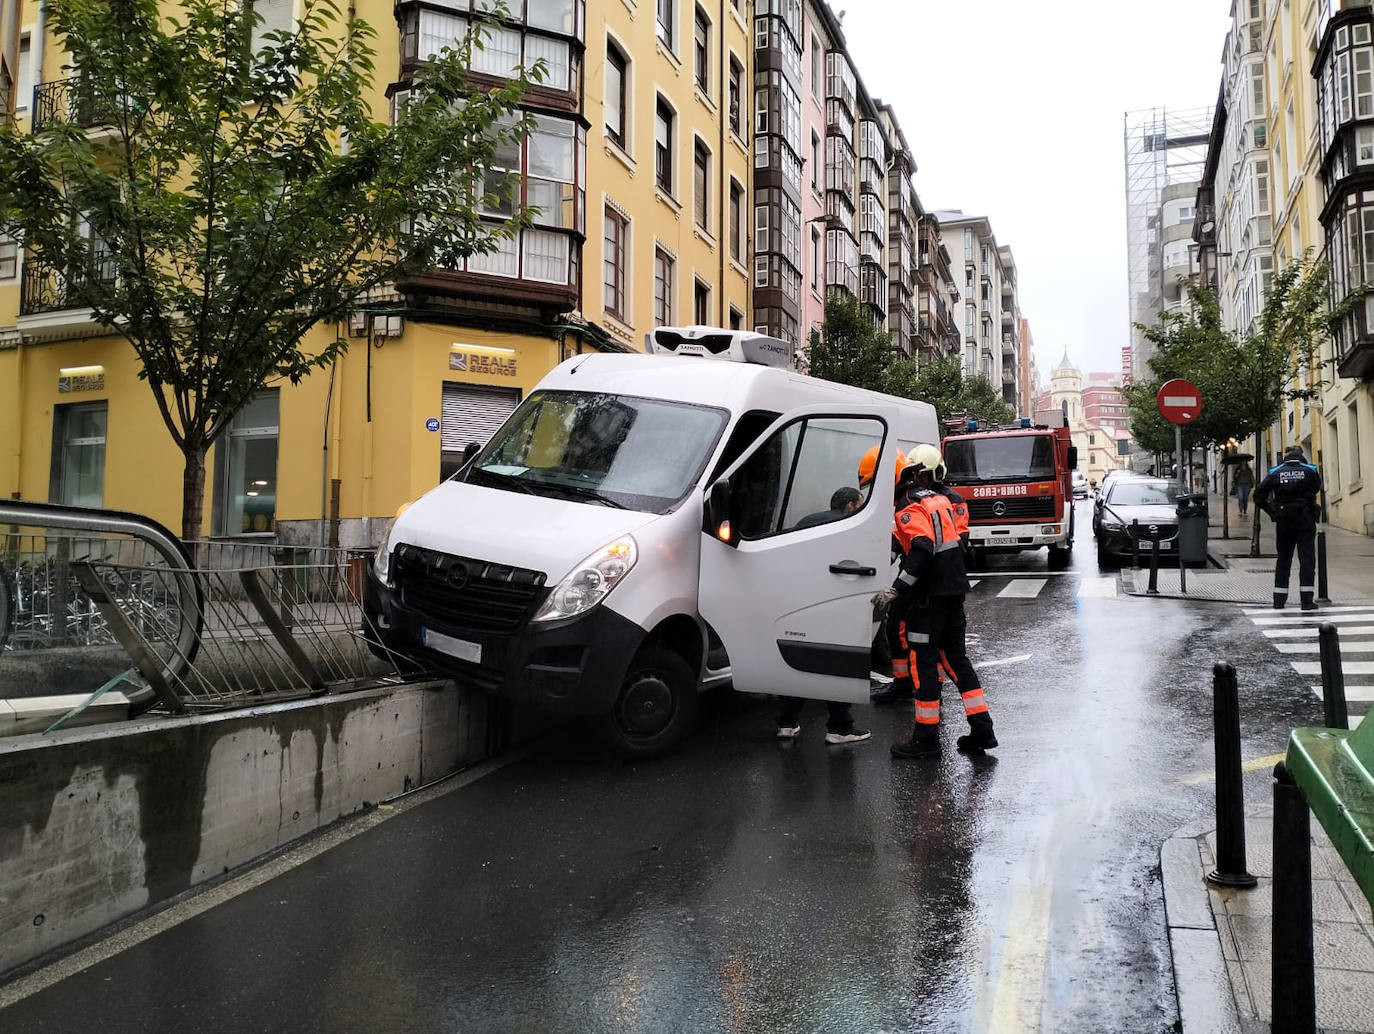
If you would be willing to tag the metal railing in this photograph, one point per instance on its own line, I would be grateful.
(70, 101)
(46, 288)
(88, 594)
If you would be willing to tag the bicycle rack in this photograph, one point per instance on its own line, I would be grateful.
(161, 673)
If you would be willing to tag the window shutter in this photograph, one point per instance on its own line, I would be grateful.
(473, 413)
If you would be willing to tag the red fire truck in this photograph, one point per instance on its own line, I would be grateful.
(1018, 483)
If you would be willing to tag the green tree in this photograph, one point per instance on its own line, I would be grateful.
(942, 383)
(1243, 379)
(242, 192)
(850, 348)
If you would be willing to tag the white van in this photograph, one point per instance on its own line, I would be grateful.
(647, 525)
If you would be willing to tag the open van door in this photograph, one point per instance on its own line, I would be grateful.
(787, 581)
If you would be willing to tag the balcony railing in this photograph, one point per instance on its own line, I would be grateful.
(72, 101)
(46, 288)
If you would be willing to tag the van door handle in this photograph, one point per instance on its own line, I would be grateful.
(849, 567)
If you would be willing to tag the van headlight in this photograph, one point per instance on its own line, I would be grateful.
(590, 581)
(381, 559)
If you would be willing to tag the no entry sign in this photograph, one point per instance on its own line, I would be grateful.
(1179, 401)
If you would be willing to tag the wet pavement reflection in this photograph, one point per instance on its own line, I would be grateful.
(749, 884)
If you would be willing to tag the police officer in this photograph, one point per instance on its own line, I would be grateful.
(1288, 494)
(929, 598)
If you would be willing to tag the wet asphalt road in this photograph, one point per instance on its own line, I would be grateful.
(747, 884)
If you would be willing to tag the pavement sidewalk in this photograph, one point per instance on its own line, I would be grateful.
(1221, 939)
(1236, 577)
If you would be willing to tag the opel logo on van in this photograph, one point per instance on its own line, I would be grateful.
(456, 575)
(999, 509)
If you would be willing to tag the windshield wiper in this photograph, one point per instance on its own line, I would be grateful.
(590, 494)
(505, 479)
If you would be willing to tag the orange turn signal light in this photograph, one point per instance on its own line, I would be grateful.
(724, 531)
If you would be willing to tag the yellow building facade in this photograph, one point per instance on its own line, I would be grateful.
(436, 363)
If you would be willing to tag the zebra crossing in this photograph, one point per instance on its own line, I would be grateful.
(1030, 585)
(1293, 634)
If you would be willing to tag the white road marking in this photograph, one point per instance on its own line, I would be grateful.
(1314, 618)
(1353, 694)
(1097, 588)
(1347, 647)
(973, 582)
(1349, 667)
(1312, 631)
(1003, 660)
(1026, 590)
(1262, 611)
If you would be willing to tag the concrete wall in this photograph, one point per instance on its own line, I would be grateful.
(96, 824)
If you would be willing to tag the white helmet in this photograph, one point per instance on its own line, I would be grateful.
(927, 458)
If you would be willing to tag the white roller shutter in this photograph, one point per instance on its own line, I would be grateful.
(473, 413)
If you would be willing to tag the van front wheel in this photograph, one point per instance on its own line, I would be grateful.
(656, 707)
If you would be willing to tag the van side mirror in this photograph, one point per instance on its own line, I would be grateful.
(717, 522)
(1073, 457)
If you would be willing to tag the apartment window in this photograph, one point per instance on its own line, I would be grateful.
(666, 20)
(817, 69)
(247, 463)
(816, 165)
(736, 319)
(617, 232)
(1333, 452)
(736, 88)
(701, 51)
(24, 94)
(701, 304)
(736, 221)
(1352, 413)
(663, 288)
(78, 467)
(617, 107)
(701, 184)
(663, 147)
(815, 258)
(274, 16)
(9, 257)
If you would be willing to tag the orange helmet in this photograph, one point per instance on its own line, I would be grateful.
(869, 463)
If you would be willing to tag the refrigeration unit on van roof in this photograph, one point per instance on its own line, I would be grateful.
(737, 346)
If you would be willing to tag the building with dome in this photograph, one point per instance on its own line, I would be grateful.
(1096, 414)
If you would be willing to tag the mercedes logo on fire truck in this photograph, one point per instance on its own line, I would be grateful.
(999, 509)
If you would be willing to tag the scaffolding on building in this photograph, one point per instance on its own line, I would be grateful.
(1163, 147)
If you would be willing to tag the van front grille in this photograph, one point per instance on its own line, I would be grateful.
(465, 596)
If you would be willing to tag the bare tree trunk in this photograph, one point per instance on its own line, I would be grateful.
(193, 493)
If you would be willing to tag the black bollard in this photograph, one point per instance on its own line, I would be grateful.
(1333, 677)
(1293, 990)
(1154, 564)
(1135, 542)
(1230, 870)
(1323, 587)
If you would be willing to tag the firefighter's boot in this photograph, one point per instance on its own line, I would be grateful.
(1280, 598)
(901, 689)
(1309, 600)
(980, 737)
(923, 744)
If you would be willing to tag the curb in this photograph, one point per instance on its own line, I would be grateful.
(1206, 1001)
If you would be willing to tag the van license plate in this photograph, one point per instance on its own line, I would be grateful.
(460, 648)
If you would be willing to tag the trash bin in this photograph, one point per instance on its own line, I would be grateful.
(358, 559)
(1192, 528)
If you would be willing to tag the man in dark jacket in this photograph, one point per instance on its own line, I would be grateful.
(1288, 494)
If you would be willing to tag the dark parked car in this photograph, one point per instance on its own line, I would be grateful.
(1152, 502)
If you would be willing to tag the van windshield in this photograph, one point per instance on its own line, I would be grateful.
(607, 450)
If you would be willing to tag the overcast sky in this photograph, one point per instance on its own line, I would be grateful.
(1014, 110)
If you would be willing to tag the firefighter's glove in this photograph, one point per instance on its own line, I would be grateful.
(882, 600)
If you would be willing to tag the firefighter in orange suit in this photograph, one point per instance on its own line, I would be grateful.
(891, 641)
(928, 596)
